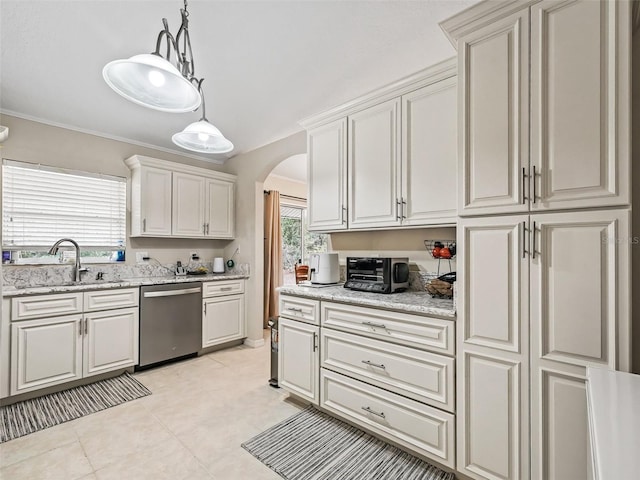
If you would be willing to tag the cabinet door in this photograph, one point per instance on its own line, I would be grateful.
(374, 166)
(222, 320)
(110, 340)
(580, 316)
(155, 201)
(327, 177)
(298, 359)
(429, 155)
(188, 205)
(220, 211)
(493, 342)
(493, 75)
(580, 99)
(45, 352)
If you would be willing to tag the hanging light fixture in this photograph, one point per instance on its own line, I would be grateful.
(202, 136)
(152, 80)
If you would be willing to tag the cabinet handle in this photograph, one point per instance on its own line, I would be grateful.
(533, 247)
(295, 309)
(524, 239)
(377, 414)
(398, 206)
(207, 228)
(315, 342)
(205, 308)
(343, 215)
(404, 204)
(524, 185)
(377, 365)
(144, 224)
(375, 325)
(80, 327)
(533, 179)
(226, 289)
(86, 326)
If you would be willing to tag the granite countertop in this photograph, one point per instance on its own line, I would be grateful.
(411, 302)
(12, 291)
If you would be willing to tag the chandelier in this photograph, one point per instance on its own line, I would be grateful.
(154, 81)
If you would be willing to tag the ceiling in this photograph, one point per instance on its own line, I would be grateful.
(266, 64)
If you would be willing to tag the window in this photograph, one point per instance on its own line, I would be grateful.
(41, 205)
(297, 242)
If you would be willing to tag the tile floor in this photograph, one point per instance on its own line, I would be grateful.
(191, 427)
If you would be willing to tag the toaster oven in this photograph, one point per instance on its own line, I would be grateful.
(377, 274)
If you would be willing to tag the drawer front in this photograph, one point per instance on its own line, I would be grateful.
(423, 376)
(426, 430)
(227, 287)
(406, 329)
(24, 308)
(303, 309)
(110, 299)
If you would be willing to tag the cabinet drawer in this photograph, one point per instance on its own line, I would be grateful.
(226, 287)
(412, 330)
(110, 299)
(303, 309)
(426, 430)
(24, 308)
(423, 376)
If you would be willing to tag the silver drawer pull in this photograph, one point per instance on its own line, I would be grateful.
(375, 325)
(294, 309)
(378, 365)
(377, 414)
(226, 289)
(171, 293)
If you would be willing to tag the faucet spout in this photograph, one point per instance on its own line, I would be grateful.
(78, 268)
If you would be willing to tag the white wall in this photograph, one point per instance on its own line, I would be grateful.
(252, 169)
(40, 143)
(286, 186)
(635, 192)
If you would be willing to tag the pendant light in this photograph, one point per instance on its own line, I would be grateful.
(152, 80)
(202, 136)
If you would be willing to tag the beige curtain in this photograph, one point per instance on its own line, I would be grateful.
(272, 254)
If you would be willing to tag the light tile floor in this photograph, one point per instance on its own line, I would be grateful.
(191, 427)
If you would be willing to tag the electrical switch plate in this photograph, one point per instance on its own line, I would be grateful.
(140, 257)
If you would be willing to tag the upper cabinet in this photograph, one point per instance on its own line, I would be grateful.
(180, 201)
(554, 135)
(387, 159)
(327, 175)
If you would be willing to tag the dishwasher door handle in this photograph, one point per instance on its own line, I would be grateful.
(171, 293)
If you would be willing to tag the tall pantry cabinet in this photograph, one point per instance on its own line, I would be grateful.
(543, 234)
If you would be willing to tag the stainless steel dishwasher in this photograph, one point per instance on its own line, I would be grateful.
(170, 321)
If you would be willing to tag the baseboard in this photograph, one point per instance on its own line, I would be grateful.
(254, 343)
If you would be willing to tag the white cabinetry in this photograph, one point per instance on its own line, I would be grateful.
(55, 348)
(400, 148)
(373, 166)
(298, 347)
(180, 201)
(327, 176)
(223, 312)
(574, 105)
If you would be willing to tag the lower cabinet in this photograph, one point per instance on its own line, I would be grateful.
(410, 423)
(58, 349)
(222, 320)
(299, 358)
(45, 352)
(110, 340)
(223, 312)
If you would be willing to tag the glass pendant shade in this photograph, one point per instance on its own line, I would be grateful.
(202, 137)
(151, 81)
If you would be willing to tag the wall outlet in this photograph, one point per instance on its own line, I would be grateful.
(140, 257)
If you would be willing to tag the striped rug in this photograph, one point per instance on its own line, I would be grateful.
(312, 445)
(29, 416)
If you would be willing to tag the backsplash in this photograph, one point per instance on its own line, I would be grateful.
(45, 275)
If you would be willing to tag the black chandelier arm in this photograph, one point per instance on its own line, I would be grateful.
(171, 43)
(186, 54)
(204, 108)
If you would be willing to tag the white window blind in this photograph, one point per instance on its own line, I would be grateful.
(42, 204)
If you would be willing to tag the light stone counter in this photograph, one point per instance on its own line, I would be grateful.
(12, 291)
(410, 302)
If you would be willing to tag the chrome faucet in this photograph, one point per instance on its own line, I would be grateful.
(78, 268)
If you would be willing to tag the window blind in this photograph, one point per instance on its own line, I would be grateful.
(42, 204)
